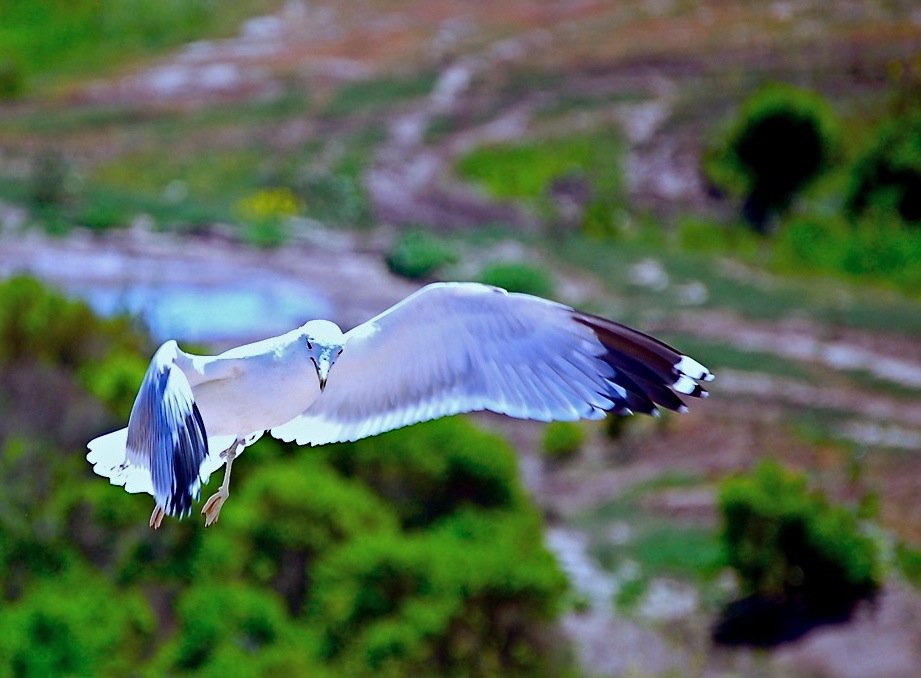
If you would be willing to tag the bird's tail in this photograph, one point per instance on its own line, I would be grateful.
(109, 459)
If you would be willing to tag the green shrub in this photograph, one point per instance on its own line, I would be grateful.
(433, 469)
(785, 540)
(463, 600)
(74, 625)
(563, 439)
(418, 254)
(519, 277)
(781, 141)
(12, 82)
(288, 512)
(877, 247)
(887, 176)
(229, 628)
(39, 324)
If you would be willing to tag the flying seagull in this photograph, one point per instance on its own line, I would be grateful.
(446, 349)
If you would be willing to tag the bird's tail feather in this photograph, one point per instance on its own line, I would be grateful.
(110, 460)
(107, 455)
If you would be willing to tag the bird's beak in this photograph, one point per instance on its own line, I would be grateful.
(323, 372)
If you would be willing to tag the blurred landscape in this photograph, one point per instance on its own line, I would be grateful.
(740, 179)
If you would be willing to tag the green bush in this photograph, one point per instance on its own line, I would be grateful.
(887, 176)
(563, 439)
(462, 600)
(787, 541)
(77, 624)
(433, 469)
(288, 512)
(877, 247)
(417, 255)
(229, 628)
(519, 277)
(12, 82)
(782, 140)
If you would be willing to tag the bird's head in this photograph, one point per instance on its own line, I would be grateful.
(324, 342)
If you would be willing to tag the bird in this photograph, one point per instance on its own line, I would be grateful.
(446, 349)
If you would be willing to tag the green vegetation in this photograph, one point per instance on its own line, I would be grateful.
(518, 277)
(44, 41)
(785, 540)
(529, 171)
(372, 96)
(417, 255)
(563, 440)
(652, 544)
(782, 140)
(412, 552)
(887, 176)
(265, 215)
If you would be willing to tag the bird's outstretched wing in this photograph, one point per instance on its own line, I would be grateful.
(461, 347)
(165, 444)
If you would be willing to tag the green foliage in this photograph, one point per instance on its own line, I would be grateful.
(458, 601)
(786, 540)
(877, 247)
(74, 625)
(229, 628)
(57, 36)
(431, 470)
(290, 512)
(519, 277)
(563, 439)
(418, 254)
(37, 323)
(12, 82)
(781, 141)
(528, 170)
(265, 215)
(49, 178)
(887, 175)
(908, 560)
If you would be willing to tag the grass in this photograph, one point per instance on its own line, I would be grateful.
(657, 545)
(375, 95)
(743, 288)
(49, 41)
(526, 169)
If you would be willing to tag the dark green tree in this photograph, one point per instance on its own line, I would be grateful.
(782, 140)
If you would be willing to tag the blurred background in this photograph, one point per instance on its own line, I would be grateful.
(742, 179)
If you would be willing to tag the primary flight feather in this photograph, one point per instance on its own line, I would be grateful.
(448, 348)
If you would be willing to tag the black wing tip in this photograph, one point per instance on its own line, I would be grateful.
(649, 370)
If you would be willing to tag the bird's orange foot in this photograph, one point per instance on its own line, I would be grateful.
(156, 517)
(212, 508)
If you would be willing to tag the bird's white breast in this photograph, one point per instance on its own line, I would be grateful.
(257, 391)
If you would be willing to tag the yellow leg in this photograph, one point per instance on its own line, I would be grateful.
(212, 508)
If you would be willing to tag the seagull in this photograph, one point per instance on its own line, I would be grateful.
(446, 349)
